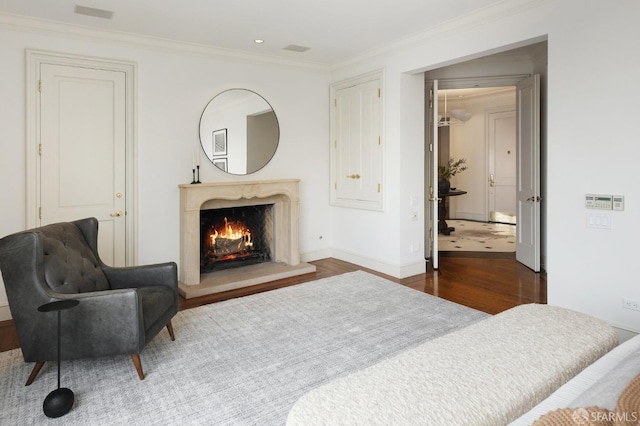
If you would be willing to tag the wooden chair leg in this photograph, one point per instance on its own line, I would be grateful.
(138, 364)
(34, 372)
(170, 328)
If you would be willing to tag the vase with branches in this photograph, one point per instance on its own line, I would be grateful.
(445, 173)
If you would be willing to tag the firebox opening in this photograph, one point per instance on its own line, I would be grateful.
(236, 236)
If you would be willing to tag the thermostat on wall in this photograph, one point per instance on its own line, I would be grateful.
(597, 201)
(618, 202)
(604, 202)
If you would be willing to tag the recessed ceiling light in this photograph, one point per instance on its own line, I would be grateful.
(258, 41)
(90, 11)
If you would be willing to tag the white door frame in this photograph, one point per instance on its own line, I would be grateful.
(34, 58)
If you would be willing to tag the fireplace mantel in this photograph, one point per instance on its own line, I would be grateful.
(283, 194)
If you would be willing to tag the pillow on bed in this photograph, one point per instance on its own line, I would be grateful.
(626, 411)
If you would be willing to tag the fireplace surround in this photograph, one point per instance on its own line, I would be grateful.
(282, 194)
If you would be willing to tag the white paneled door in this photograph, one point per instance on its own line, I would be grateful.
(431, 176)
(502, 164)
(357, 143)
(528, 176)
(82, 152)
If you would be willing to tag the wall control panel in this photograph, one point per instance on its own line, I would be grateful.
(604, 202)
(618, 202)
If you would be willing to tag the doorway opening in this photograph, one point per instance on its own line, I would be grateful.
(521, 67)
(478, 126)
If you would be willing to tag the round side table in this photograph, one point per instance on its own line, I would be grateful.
(59, 401)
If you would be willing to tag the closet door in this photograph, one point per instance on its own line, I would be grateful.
(356, 152)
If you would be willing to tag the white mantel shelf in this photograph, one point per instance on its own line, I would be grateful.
(282, 193)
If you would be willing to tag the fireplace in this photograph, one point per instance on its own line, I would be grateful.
(235, 236)
(281, 258)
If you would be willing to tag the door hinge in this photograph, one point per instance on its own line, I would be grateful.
(335, 102)
(430, 147)
(335, 144)
(40, 213)
(379, 140)
(40, 149)
(40, 86)
(335, 185)
(379, 187)
(379, 93)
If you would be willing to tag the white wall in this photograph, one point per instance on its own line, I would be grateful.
(172, 91)
(592, 130)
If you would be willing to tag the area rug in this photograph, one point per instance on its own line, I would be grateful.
(478, 236)
(243, 361)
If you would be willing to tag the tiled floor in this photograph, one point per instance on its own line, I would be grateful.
(478, 236)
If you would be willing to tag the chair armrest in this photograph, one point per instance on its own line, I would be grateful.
(165, 274)
(104, 323)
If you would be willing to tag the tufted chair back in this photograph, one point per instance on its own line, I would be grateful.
(68, 264)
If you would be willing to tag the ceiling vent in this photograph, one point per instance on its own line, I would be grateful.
(296, 48)
(90, 11)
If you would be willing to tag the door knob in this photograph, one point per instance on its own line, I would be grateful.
(116, 214)
(492, 180)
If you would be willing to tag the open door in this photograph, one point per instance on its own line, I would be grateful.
(528, 172)
(431, 174)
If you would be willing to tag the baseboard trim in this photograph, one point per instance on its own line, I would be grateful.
(396, 271)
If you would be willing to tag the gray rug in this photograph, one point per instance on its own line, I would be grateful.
(243, 361)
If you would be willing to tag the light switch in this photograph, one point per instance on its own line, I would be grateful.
(598, 221)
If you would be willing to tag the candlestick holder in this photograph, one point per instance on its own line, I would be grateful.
(198, 175)
(193, 173)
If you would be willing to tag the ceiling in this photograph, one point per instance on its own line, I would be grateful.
(333, 30)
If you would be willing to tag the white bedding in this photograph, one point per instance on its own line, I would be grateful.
(599, 385)
(487, 373)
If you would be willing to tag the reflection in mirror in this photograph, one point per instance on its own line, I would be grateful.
(239, 131)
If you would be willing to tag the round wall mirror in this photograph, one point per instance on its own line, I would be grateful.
(239, 131)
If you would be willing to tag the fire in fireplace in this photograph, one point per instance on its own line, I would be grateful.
(236, 236)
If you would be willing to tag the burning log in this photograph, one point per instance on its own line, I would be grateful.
(226, 246)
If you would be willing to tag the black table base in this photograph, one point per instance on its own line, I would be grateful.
(59, 401)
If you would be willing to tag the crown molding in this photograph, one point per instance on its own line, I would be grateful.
(54, 28)
(487, 14)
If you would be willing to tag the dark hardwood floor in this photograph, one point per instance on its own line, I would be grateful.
(487, 282)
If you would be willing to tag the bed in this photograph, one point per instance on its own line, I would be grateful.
(488, 373)
(600, 385)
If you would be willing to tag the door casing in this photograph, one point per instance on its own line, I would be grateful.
(444, 84)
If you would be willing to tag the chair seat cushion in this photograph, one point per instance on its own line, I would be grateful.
(156, 302)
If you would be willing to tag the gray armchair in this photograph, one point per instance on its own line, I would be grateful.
(120, 310)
